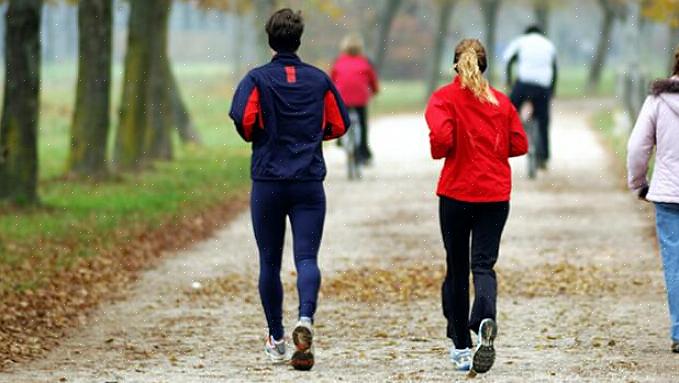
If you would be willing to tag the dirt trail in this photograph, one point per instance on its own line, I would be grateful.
(581, 289)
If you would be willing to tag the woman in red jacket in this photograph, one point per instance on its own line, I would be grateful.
(356, 81)
(475, 129)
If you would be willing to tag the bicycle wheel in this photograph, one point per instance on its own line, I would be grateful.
(351, 146)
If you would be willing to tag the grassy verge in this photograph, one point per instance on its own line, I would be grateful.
(614, 138)
(80, 219)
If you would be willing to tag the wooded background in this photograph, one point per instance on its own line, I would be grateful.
(141, 43)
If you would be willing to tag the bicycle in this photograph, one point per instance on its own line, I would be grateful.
(350, 142)
(530, 125)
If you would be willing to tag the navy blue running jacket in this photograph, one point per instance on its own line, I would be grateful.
(286, 108)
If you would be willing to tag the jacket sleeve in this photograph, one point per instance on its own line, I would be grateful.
(518, 141)
(373, 79)
(441, 124)
(246, 111)
(335, 117)
(640, 146)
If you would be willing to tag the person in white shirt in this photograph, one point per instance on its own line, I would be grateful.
(535, 57)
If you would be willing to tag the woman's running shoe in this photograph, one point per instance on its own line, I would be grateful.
(303, 338)
(483, 356)
(462, 359)
(275, 349)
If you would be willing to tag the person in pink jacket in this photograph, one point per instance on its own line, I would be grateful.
(356, 80)
(658, 127)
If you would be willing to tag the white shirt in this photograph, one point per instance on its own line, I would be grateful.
(536, 56)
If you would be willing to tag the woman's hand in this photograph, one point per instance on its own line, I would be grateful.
(642, 193)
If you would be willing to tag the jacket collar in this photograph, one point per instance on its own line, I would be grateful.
(286, 58)
(670, 85)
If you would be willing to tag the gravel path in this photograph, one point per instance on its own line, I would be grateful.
(581, 295)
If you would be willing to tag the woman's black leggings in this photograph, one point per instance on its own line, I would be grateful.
(483, 223)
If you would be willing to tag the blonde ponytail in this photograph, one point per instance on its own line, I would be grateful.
(468, 54)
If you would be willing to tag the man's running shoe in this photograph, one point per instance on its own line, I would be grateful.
(275, 349)
(303, 337)
(675, 347)
(483, 356)
(462, 359)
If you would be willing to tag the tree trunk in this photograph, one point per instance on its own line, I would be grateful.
(603, 46)
(445, 13)
(490, 10)
(145, 112)
(91, 119)
(541, 8)
(158, 142)
(674, 45)
(129, 148)
(3, 9)
(20, 111)
(263, 10)
(385, 22)
(180, 115)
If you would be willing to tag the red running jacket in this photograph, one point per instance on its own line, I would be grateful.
(476, 139)
(355, 79)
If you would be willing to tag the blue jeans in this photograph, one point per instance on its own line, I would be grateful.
(667, 222)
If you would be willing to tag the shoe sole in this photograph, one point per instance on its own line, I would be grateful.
(303, 357)
(484, 356)
(275, 359)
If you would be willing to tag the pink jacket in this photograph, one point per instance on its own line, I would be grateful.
(657, 126)
(355, 79)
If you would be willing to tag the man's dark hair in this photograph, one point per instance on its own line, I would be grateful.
(285, 28)
(534, 29)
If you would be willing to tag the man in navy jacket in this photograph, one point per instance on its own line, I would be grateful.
(287, 108)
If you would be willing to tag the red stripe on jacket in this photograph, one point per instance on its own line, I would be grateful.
(291, 74)
(476, 139)
(252, 114)
(333, 124)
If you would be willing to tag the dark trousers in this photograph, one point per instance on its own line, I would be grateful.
(541, 99)
(363, 147)
(271, 203)
(483, 223)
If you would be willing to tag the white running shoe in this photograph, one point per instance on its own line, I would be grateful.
(303, 338)
(462, 359)
(275, 349)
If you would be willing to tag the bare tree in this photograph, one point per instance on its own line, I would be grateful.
(541, 9)
(611, 9)
(20, 110)
(445, 11)
(490, 10)
(386, 20)
(91, 118)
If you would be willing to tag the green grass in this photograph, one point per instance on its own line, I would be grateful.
(76, 214)
(397, 97)
(615, 138)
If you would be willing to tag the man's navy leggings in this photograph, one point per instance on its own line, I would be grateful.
(304, 203)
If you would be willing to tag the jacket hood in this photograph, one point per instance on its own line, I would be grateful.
(668, 91)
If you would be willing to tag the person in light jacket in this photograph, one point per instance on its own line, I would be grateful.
(658, 127)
